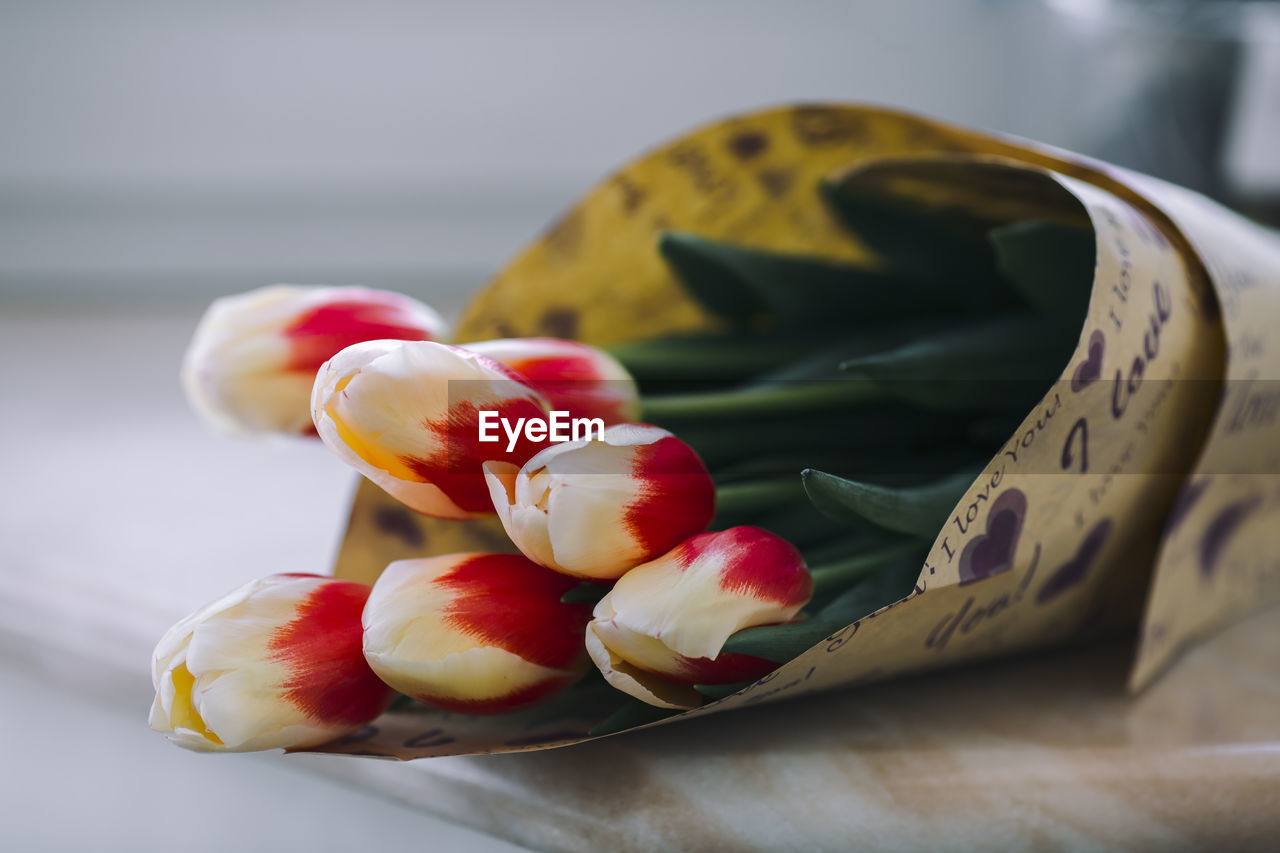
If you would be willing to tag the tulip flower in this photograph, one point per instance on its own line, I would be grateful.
(277, 663)
(474, 633)
(660, 630)
(574, 377)
(250, 367)
(594, 509)
(406, 415)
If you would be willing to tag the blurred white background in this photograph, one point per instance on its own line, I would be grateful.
(156, 154)
(168, 151)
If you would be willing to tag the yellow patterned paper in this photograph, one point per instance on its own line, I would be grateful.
(1084, 521)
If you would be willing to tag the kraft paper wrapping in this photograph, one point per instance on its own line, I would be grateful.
(1145, 487)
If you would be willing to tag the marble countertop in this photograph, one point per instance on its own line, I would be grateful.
(120, 513)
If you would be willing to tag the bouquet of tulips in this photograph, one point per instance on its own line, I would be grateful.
(797, 399)
(615, 567)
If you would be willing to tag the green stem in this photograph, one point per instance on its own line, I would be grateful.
(710, 357)
(838, 575)
(757, 496)
(794, 398)
(719, 446)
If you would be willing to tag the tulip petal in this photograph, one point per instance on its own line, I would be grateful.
(656, 484)
(675, 496)
(586, 510)
(478, 680)
(594, 509)
(574, 377)
(406, 415)
(694, 598)
(277, 663)
(525, 522)
(663, 625)
(634, 681)
(336, 318)
(253, 358)
(181, 714)
(234, 705)
(474, 633)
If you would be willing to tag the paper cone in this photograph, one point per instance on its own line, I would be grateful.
(1144, 488)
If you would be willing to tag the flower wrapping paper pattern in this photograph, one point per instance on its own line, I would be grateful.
(1145, 487)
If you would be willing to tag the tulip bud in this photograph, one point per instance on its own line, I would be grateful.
(406, 415)
(474, 633)
(277, 663)
(661, 628)
(250, 367)
(574, 377)
(594, 509)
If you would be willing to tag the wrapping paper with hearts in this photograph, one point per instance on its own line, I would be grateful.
(1143, 489)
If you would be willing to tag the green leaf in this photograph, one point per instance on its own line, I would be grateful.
(762, 400)
(788, 515)
(779, 504)
(630, 715)
(892, 466)
(878, 429)
(833, 577)
(695, 359)
(916, 510)
(781, 643)
(746, 286)
(824, 360)
(719, 691)
(948, 255)
(992, 432)
(1007, 362)
(1050, 264)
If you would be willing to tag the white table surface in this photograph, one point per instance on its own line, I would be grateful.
(119, 513)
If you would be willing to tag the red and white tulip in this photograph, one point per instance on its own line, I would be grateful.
(596, 508)
(474, 633)
(660, 630)
(252, 362)
(406, 415)
(277, 663)
(574, 377)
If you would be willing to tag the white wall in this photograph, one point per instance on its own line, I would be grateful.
(165, 151)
